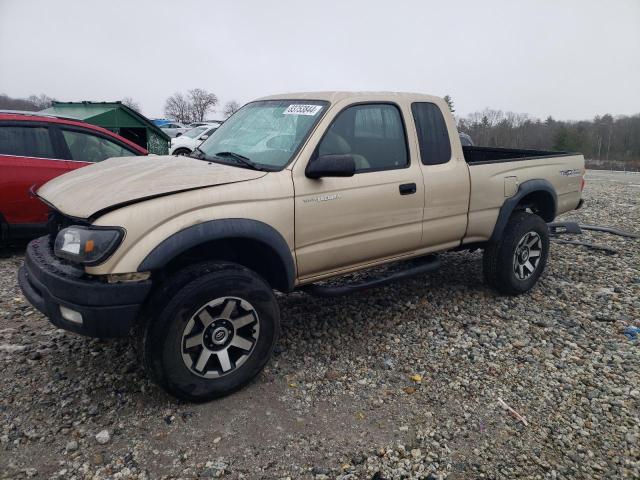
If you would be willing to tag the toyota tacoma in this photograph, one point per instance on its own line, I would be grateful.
(290, 191)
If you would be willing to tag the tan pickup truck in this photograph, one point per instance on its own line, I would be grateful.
(291, 190)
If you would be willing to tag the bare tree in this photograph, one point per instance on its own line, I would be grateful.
(40, 102)
(178, 108)
(230, 108)
(201, 102)
(131, 103)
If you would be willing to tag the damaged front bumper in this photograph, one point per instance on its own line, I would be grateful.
(75, 302)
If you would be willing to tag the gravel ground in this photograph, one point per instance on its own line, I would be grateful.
(405, 381)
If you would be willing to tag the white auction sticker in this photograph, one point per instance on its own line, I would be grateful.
(302, 109)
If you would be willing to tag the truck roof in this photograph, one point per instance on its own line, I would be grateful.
(335, 96)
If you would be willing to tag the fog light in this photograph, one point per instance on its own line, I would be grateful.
(71, 315)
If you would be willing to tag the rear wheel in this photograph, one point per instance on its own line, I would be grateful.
(212, 328)
(513, 264)
(181, 152)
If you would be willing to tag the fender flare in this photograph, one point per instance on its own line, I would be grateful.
(229, 228)
(181, 148)
(525, 188)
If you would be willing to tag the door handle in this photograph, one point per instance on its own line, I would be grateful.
(407, 188)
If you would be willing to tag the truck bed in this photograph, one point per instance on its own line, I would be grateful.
(483, 155)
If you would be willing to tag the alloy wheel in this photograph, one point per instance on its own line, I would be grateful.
(220, 337)
(526, 257)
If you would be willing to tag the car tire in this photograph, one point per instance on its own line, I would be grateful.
(513, 264)
(209, 330)
(181, 151)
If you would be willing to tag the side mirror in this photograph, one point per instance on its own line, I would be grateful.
(331, 166)
(204, 137)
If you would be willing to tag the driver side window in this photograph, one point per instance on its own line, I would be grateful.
(373, 134)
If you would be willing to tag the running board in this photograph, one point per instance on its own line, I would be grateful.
(423, 265)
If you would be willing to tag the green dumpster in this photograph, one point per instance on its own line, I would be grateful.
(118, 118)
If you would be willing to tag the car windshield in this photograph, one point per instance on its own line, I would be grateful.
(268, 132)
(194, 132)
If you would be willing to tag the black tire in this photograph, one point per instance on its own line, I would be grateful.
(181, 151)
(503, 260)
(169, 314)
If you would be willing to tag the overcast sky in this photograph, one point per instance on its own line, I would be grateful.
(570, 59)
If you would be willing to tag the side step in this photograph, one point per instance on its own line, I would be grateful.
(415, 267)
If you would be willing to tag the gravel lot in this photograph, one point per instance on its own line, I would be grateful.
(400, 382)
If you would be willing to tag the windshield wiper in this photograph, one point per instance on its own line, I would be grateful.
(242, 159)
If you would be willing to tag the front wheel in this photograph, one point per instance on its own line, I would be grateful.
(513, 264)
(211, 330)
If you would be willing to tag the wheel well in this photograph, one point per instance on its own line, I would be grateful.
(182, 149)
(253, 254)
(539, 202)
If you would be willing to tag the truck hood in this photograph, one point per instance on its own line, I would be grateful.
(120, 181)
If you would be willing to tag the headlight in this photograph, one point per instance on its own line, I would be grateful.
(89, 246)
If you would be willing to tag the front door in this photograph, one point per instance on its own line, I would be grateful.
(377, 213)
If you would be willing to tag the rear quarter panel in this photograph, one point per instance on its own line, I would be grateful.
(491, 182)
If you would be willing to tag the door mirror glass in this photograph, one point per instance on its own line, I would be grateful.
(331, 166)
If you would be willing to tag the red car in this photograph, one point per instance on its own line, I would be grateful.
(34, 148)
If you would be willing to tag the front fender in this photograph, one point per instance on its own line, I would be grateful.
(230, 228)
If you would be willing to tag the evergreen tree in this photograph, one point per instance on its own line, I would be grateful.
(449, 100)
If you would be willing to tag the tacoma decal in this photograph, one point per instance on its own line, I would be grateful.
(324, 198)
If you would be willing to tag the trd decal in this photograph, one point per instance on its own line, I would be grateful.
(324, 198)
(570, 173)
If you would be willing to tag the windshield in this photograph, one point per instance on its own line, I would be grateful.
(268, 132)
(194, 132)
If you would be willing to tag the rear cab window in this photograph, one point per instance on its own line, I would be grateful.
(26, 141)
(433, 136)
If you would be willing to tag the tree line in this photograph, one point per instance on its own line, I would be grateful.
(605, 141)
(194, 106)
(32, 103)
